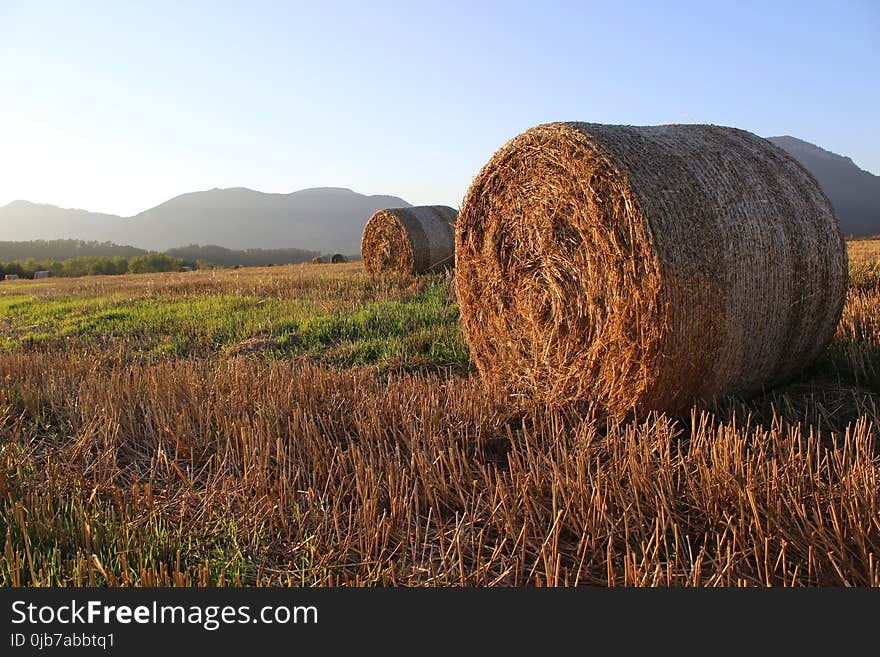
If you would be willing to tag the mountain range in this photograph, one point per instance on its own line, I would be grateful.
(325, 219)
(854, 193)
(331, 219)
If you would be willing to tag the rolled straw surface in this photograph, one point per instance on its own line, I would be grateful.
(414, 240)
(645, 268)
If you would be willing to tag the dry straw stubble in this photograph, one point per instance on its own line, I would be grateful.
(644, 268)
(415, 240)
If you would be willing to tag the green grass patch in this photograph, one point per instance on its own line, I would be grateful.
(67, 540)
(421, 330)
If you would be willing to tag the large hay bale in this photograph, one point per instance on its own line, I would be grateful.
(408, 241)
(645, 268)
(338, 258)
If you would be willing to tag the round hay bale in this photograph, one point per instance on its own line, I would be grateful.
(338, 258)
(316, 260)
(645, 268)
(409, 241)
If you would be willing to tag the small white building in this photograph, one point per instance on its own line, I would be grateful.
(41, 274)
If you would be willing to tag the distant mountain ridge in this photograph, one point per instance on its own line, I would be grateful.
(331, 219)
(326, 219)
(854, 192)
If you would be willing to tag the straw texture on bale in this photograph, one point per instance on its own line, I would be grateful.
(408, 241)
(338, 258)
(316, 260)
(645, 268)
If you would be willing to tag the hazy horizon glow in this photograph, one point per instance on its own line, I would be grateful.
(118, 106)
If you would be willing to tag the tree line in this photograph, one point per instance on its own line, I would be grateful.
(92, 265)
(222, 257)
(64, 249)
(71, 258)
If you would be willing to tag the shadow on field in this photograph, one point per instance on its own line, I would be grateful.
(825, 405)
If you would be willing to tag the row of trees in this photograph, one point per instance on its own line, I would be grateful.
(64, 249)
(70, 258)
(93, 265)
(222, 257)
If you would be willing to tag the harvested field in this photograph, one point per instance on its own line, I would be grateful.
(864, 252)
(318, 426)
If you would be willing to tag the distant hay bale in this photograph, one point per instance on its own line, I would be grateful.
(409, 241)
(338, 258)
(316, 260)
(645, 268)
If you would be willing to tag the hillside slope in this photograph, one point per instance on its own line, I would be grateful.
(854, 193)
(329, 219)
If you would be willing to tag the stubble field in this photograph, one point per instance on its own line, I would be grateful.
(308, 425)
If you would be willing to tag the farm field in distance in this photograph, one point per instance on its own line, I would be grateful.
(309, 425)
(864, 251)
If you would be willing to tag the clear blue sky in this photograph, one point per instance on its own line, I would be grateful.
(118, 106)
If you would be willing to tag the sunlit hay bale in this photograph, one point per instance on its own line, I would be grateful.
(409, 241)
(316, 260)
(338, 258)
(645, 268)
